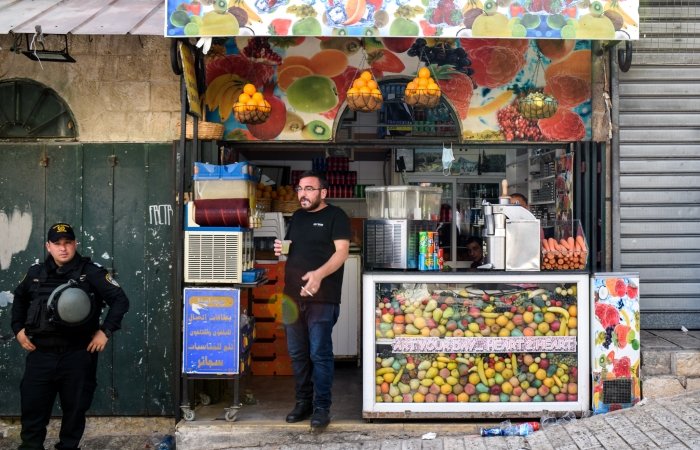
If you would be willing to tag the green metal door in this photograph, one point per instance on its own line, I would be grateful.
(120, 197)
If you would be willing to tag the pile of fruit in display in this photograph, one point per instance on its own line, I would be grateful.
(420, 312)
(364, 95)
(441, 53)
(537, 105)
(457, 377)
(423, 91)
(251, 107)
(285, 193)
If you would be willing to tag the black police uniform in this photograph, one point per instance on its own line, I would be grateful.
(61, 363)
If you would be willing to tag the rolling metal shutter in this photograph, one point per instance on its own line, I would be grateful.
(656, 165)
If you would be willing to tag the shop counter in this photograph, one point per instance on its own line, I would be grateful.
(475, 344)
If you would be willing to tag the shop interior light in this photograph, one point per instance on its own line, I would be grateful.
(47, 55)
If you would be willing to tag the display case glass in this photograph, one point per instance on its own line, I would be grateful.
(460, 213)
(470, 346)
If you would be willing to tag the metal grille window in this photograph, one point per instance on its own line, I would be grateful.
(31, 111)
(669, 33)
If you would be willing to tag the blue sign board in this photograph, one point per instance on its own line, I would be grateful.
(211, 332)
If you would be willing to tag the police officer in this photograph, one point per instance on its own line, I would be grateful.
(55, 316)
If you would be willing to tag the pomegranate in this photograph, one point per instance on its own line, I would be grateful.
(278, 116)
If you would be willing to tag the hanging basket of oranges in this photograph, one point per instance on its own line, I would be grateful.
(423, 92)
(364, 95)
(251, 108)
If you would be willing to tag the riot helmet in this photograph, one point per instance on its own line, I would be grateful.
(69, 305)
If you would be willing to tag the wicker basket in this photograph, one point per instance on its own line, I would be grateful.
(205, 130)
(365, 102)
(251, 115)
(285, 206)
(538, 108)
(420, 98)
(266, 202)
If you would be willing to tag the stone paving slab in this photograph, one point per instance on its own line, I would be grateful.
(680, 339)
(668, 424)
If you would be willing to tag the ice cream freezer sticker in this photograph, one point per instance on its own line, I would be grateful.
(555, 19)
(211, 331)
(615, 335)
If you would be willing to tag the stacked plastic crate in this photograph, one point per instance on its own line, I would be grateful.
(270, 355)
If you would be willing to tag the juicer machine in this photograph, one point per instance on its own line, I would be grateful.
(512, 237)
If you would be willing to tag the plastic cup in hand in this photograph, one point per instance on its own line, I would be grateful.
(285, 247)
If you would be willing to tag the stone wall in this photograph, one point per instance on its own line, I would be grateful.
(120, 89)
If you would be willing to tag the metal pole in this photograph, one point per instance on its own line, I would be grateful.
(180, 389)
(615, 164)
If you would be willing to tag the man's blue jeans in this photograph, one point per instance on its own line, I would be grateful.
(309, 327)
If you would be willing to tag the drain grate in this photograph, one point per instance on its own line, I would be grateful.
(617, 391)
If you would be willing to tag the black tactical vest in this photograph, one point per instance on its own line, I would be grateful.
(39, 319)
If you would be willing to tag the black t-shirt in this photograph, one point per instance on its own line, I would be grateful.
(312, 235)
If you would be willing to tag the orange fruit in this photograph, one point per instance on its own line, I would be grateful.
(364, 90)
(267, 104)
(257, 96)
(291, 74)
(416, 80)
(423, 82)
(329, 62)
(251, 105)
(243, 98)
(258, 193)
(353, 91)
(424, 73)
(355, 9)
(359, 83)
(261, 103)
(239, 106)
(273, 194)
(372, 84)
(366, 76)
(292, 61)
(432, 89)
(267, 189)
(249, 89)
(376, 92)
(430, 80)
(411, 85)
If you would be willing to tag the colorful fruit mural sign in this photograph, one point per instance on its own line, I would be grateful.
(568, 19)
(615, 333)
(306, 79)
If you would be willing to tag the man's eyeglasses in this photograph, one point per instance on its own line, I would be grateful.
(306, 189)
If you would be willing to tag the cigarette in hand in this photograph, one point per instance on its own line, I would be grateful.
(307, 291)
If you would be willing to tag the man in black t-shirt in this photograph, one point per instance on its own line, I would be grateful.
(320, 240)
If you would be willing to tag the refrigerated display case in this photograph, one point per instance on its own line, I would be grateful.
(448, 345)
(460, 212)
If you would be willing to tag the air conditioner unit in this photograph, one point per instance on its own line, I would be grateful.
(216, 255)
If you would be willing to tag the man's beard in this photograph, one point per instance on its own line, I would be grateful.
(311, 204)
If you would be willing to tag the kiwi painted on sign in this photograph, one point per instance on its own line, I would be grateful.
(516, 90)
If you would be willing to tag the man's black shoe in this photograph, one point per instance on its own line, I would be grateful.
(321, 418)
(301, 411)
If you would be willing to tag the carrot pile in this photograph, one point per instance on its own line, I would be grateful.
(566, 254)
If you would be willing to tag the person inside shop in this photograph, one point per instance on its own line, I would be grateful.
(320, 241)
(521, 199)
(475, 251)
(56, 318)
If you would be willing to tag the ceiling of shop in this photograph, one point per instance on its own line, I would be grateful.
(139, 17)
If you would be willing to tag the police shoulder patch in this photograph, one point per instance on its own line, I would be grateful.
(97, 264)
(111, 280)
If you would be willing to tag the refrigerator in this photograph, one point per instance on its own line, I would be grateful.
(615, 336)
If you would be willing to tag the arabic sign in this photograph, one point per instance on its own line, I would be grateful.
(554, 19)
(529, 344)
(211, 332)
(188, 69)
